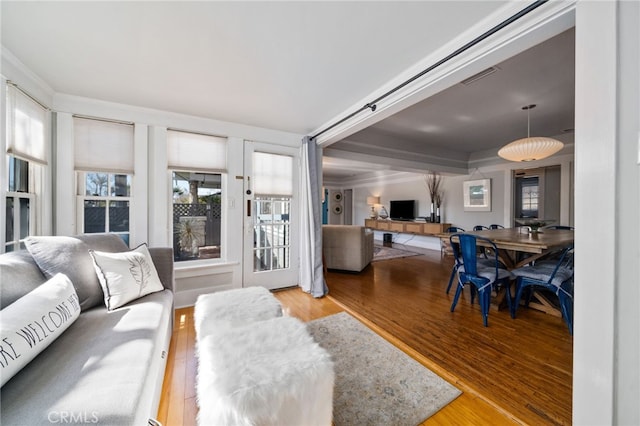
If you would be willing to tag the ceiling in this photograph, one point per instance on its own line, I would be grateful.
(472, 120)
(293, 66)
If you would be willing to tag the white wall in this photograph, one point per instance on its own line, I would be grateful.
(150, 218)
(606, 385)
(336, 200)
(411, 186)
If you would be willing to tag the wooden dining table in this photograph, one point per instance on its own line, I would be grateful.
(518, 248)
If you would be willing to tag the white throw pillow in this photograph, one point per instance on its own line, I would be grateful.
(34, 321)
(126, 276)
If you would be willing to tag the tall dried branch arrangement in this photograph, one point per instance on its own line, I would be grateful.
(433, 182)
(439, 197)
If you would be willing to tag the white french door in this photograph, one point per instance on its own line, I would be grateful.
(271, 216)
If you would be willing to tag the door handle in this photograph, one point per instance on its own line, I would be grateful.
(248, 208)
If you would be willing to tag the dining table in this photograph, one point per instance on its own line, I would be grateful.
(518, 247)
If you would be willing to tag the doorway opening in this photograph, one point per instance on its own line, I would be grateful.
(537, 193)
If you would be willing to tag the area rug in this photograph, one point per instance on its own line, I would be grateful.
(385, 253)
(377, 383)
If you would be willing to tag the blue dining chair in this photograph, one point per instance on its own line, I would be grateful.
(482, 250)
(555, 275)
(454, 229)
(568, 228)
(483, 259)
(445, 249)
(451, 230)
(482, 277)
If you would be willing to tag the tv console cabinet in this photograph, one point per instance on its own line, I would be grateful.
(407, 227)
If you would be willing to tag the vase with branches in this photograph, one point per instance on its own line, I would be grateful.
(433, 182)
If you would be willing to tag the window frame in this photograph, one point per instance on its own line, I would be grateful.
(81, 197)
(197, 261)
(17, 241)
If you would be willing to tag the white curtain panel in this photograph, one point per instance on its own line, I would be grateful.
(311, 273)
(103, 146)
(27, 123)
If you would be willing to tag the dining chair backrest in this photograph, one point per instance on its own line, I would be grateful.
(496, 226)
(554, 274)
(454, 229)
(568, 228)
(468, 251)
(479, 228)
(481, 276)
(564, 263)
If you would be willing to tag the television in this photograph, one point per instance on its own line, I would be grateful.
(402, 210)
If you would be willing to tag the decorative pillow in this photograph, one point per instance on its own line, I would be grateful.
(70, 256)
(33, 322)
(126, 276)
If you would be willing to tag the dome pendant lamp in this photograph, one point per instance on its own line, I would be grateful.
(530, 148)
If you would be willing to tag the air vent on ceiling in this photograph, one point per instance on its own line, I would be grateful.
(481, 74)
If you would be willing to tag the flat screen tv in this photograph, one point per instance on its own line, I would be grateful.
(402, 210)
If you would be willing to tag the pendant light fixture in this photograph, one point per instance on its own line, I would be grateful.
(530, 148)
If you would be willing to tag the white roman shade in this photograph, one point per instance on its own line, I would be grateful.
(272, 174)
(196, 152)
(26, 127)
(103, 146)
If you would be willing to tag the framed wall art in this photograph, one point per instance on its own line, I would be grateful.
(477, 195)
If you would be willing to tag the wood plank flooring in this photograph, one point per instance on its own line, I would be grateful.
(512, 372)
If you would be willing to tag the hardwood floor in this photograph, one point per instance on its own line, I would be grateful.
(514, 371)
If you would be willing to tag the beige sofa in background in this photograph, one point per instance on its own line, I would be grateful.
(347, 247)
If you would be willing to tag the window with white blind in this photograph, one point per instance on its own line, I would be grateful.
(26, 156)
(197, 164)
(104, 164)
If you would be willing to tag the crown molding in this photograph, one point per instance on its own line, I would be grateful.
(15, 70)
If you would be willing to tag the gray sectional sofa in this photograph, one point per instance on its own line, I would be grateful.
(107, 367)
(347, 247)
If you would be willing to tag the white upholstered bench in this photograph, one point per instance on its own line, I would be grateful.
(231, 308)
(257, 367)
(266, 373)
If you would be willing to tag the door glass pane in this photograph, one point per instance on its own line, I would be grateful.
(271, 233)
(261, 236)
(281, 258)
(262, 260)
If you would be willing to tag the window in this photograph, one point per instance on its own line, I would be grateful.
(19, 205)
(26, 161)
(198, 165)
(197, 215)
(272, 232)
(105, 201)
(103, 155)
(273, 186)
(529, 194)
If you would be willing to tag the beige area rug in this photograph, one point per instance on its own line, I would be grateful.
(385, 253)
(377, 383)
